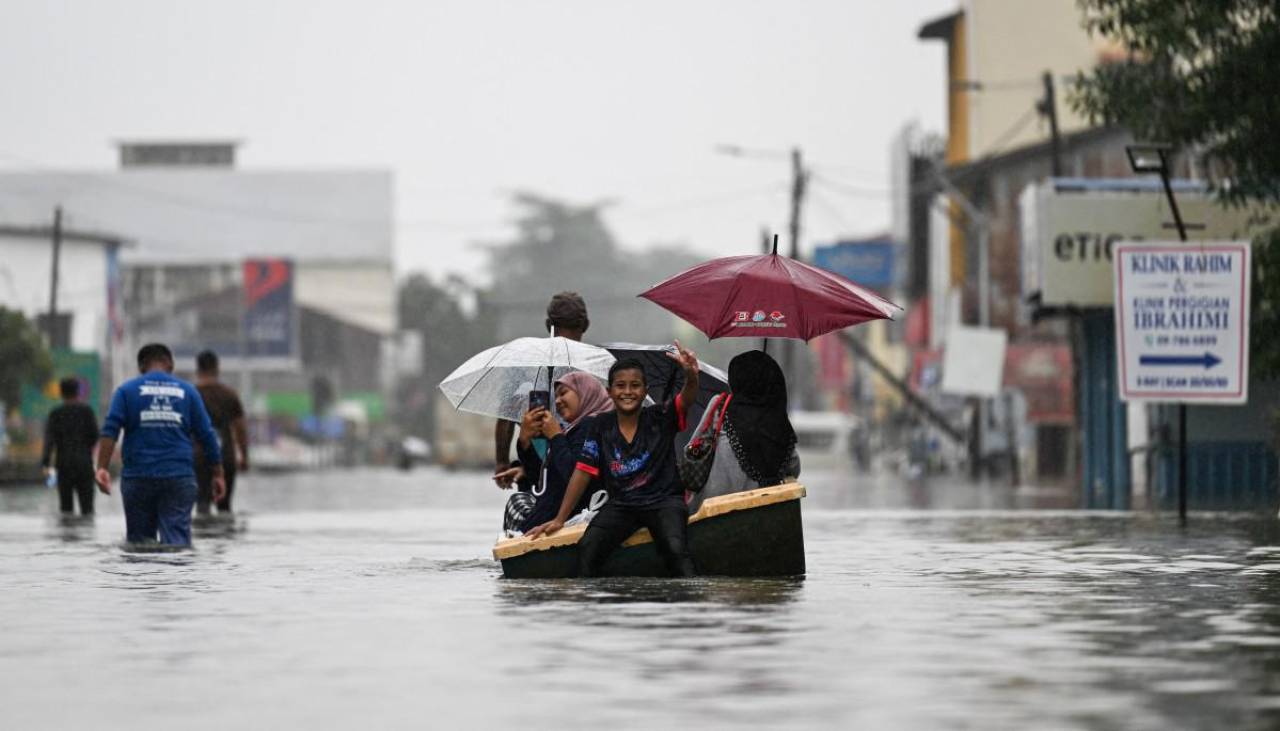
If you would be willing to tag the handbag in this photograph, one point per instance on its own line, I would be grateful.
(693, 463)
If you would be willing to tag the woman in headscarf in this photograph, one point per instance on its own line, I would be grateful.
(579, 396)
(757, 446)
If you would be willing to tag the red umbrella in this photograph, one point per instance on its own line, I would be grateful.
(767, 296)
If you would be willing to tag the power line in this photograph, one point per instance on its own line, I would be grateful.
(832, 211)
(853, 190)
(713, 199)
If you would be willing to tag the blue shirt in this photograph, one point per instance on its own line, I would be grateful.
(159, 415)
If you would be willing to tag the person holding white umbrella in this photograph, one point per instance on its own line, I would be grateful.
(502, 382)
(567, 318)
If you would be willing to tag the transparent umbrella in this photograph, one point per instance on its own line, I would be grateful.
(497, 381)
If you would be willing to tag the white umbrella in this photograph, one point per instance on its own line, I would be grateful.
(497, 382)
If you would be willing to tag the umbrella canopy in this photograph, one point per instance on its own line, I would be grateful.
(497, 381)
(664, 375)
(767, 296)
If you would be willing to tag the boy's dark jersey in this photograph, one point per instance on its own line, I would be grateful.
(641, 474)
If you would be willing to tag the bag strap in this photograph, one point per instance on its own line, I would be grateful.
(708, 416)
(724, 409)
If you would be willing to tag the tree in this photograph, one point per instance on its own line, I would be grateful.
(24, 356)
(450, 335)
(1202, 77)
(562, 246)
(1199, 75)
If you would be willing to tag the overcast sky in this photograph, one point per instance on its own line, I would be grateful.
(467, 101)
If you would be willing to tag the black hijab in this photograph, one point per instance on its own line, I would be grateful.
(756, 420)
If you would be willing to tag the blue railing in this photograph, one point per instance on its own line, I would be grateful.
(1220, 476)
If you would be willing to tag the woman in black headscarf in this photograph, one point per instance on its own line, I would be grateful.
(757, 446)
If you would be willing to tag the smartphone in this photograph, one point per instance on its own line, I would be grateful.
(539, 398)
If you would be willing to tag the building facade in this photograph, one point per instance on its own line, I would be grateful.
(193, 220)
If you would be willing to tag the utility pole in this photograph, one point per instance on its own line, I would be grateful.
(1048, 107)
(52, 329)
(981, 226)
(799, 181)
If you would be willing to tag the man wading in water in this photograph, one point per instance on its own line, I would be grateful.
(227, 414)
(69, 435)
(159, 415)
(567, 318)
(632, 451)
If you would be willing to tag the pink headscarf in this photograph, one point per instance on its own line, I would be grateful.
(592, 397)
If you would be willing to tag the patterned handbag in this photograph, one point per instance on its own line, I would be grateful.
(693, 464)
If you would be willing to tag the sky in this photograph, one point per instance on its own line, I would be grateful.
(467, 102)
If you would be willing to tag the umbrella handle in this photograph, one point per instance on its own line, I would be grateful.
(540, 487)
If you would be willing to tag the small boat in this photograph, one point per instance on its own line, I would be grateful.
(753, 533)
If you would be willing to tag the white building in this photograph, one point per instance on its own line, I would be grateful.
(84, 270)
(192, 218)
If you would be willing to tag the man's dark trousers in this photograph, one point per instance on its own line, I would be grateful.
(158, 505)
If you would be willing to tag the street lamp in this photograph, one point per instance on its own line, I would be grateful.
(1148, 158)
(1154, 158)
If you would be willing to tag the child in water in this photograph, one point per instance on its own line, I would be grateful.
(632, 451)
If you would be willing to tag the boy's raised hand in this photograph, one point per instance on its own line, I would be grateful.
(686, 358)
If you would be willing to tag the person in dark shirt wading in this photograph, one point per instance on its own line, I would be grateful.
(69, 436)
(227, 414)
(632, 451)
(159, 415)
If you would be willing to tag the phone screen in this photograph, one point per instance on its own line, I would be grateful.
(539, 398)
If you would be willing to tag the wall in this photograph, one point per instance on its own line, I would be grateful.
(1010, 44)
(82, 284)
(359, 293)
(996, 186)
(204, 215)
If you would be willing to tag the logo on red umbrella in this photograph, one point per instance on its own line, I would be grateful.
(758, 316)
(777, 316)
(742, 316)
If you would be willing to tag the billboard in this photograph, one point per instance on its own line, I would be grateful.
(268, 308)
(868, 263)
(1068, 237)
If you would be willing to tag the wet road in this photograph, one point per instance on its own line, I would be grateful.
(367, 599)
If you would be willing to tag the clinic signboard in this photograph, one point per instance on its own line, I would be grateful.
(1182, 321)
(1069, 236)
(869, 263)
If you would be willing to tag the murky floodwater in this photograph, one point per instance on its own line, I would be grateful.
(367, 600)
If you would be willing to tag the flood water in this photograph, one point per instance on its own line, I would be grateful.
(367, 599)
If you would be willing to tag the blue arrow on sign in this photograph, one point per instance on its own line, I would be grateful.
(1208, 360)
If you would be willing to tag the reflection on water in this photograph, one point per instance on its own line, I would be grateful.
(710, 591)
(367, 599)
